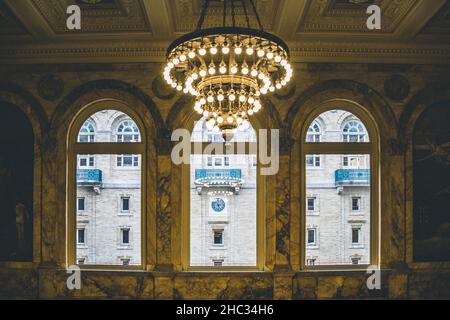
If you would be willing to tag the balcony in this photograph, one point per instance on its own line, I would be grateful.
(352, 177)
(89, 177)
(216, 181)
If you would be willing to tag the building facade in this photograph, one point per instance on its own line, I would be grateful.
(109, 194)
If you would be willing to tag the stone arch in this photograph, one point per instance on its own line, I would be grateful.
(348, 90)
(100, 89)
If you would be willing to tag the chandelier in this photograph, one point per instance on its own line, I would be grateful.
(227, 69)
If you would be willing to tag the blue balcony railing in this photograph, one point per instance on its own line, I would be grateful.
(218, 174)
(89, 176)
(352, 177)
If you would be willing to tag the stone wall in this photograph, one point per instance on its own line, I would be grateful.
(283, 278)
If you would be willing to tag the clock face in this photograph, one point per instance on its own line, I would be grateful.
(218, 205)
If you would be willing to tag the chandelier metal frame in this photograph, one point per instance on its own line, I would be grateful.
(227, 69)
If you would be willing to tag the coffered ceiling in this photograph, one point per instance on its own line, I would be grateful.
(413, 31)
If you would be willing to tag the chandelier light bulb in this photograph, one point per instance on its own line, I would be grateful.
(242, 98)
(277, 59)
(219, 120)
(194, 76)
(213, 50)
(270, 55)
(202, 51)
(203, 73)
(239, 120)
(232, 97)
(210, 99)
(191, 54)
(254, 73)
(230, 119)
(250, 112)
(174, 85)
(261, 53)
(183, 57)
(212, 70)
(220, 97)
(250, 51)
(226, 50)
(176, 61)
(251, 100)
(238, 50)
(234, 69)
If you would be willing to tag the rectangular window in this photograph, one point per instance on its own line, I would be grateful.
(128, 160)
(81, 261)
(356, 235)
(125, 236)
(125, 204)
(209, 164)
(81, 236)
(81, 204)
(356, 203)
(311, 204)
(313, 161)
(113, 202)
(355, 261)
(218, 162)
(227, 161)
(218, 237)
(311, 262)
(311, 237)
(218, 263)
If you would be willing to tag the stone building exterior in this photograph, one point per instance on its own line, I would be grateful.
(108, 195)
(223, 203)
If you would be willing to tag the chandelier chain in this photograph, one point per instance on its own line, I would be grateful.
(203, 14)
(246, 13)
(257, 15)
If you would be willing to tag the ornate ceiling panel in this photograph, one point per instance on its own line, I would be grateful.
(98, 15)
(186, 14)
(332, 16)
(413, 31)
(440, 24)
(9, 24)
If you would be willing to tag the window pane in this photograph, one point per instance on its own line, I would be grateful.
(336, 186)
(337, 126)
(223, 199)
(107, 230)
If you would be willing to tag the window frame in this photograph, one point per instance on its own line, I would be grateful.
(106, 148)
(370, 147)
(260, 202)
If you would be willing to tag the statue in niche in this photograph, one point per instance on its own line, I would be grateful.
(16, 185)
(432, 185)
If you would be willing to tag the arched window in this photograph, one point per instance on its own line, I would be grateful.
(340, 213)
(86, 135)
(127, 131)
(16, 185)
(106, 219)
(431, 228)
(221, 211)
(354, 131)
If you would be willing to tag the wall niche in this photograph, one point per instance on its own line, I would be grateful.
(432, 185)
(16, 185)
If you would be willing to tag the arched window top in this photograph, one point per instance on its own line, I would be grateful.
(128, 131)
(202, 133)
(354, 131)
(87, 132)
(337, 126)
(314, 132)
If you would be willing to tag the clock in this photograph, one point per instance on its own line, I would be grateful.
(218, 205)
